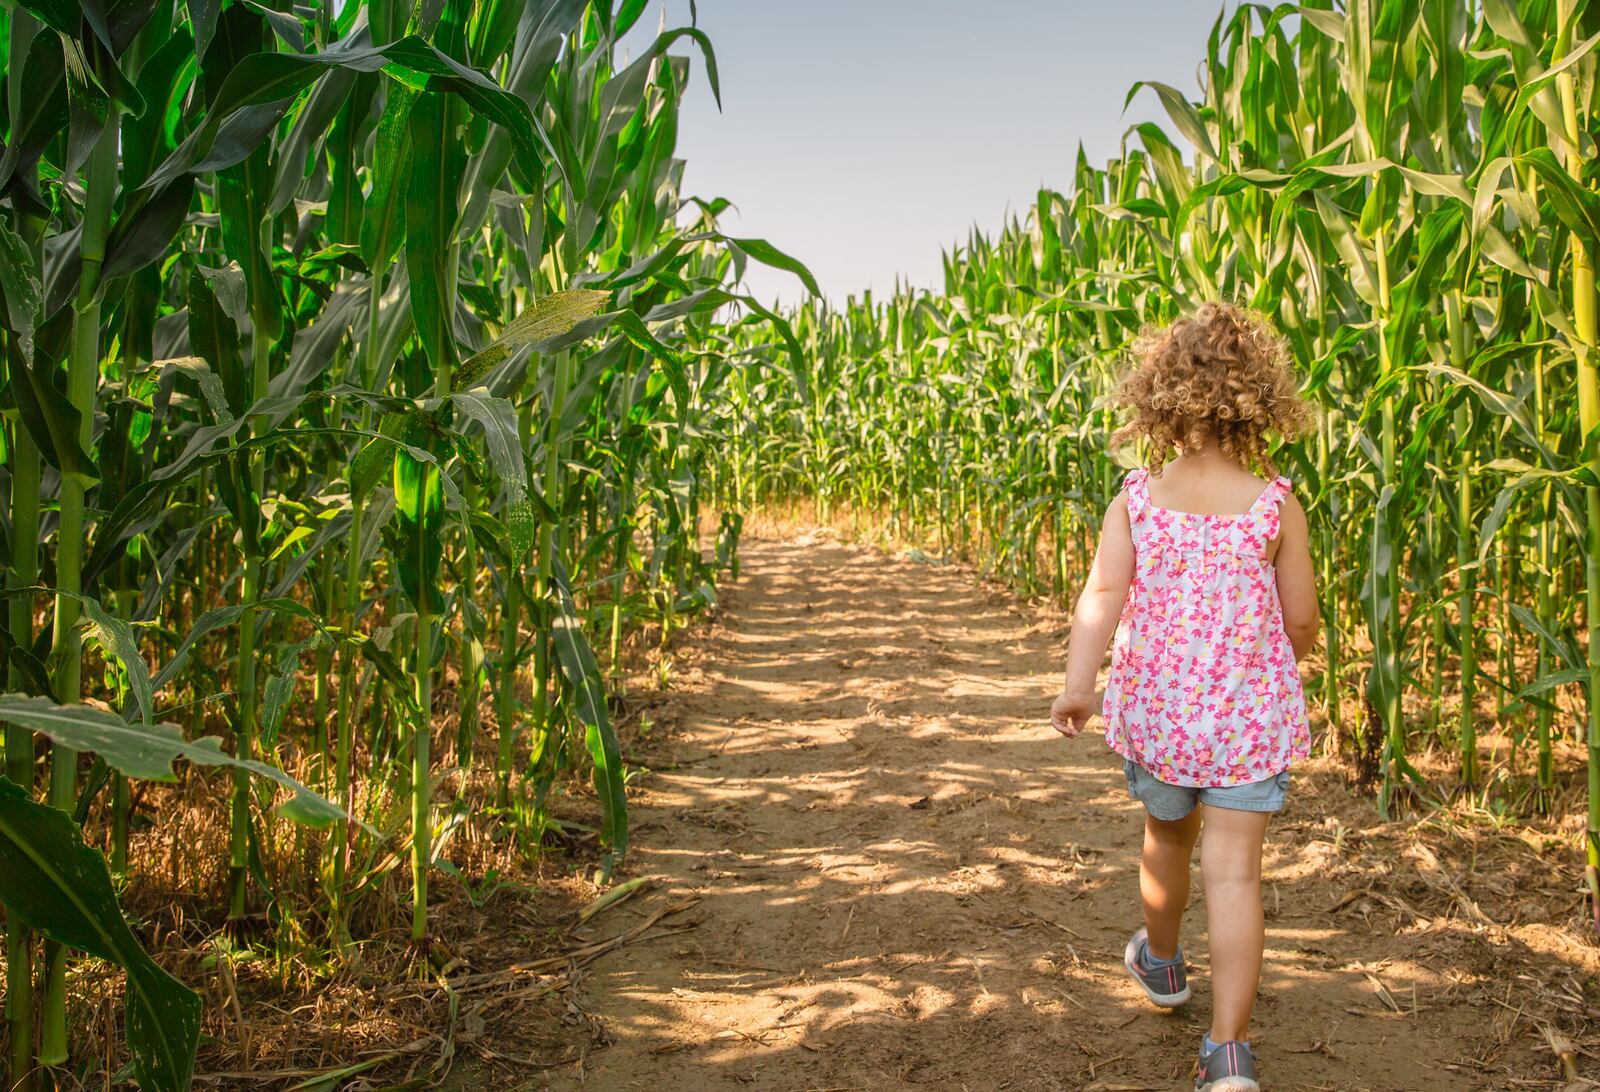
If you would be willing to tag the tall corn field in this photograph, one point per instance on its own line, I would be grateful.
(357, 359)
(1409, 190)
(373, 389)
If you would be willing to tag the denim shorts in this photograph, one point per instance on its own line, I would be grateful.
(1174, 802)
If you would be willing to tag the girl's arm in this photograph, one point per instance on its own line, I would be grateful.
(1094, 621)
(1297, 582)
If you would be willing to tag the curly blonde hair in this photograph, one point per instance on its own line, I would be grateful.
(1222, 375)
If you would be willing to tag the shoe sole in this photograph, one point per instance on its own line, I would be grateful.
(1165, 1000)
(1230, 1084)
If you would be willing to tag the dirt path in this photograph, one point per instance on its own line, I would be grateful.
(905, 879)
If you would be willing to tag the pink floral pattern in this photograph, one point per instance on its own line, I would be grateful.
(1203, 689)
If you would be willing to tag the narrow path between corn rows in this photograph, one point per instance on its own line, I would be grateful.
(907, 880)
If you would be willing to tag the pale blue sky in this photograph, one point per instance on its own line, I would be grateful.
(865, 135)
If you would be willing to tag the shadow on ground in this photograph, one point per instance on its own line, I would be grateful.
(905, 879)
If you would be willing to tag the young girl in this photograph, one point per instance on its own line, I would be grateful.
(1203, 572)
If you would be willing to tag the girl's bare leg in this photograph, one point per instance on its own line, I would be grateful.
(1230, 862)
(1164, 878)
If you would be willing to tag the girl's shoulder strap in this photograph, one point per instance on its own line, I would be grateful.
(1137, 486)
(1267, 506)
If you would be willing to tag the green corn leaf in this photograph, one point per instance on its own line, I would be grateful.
(665, 40)
(628, 14)
(498, 419)
(582, 673)
(51, 419)
(1577, 206)
(205, 449)
(88, 105)
(767, 254)
(1362, 277)
(383, 221)
(1182, 113)
(116, 637)
(494, 31)
(62, 889)
(1441, 229)
(1502, 16)
(19, 282)
(287, 27)
(397, 431)
(209, 622)
(1567, 651)
(633, 328)
(419, 508)
(203, 21)
(311, 125)
(1546, 683)
(1527, 89)
(345, 146)
(165, 78)
(436, 166)
(400, 692)
(42, 114)
(1328, 22)
(217, 310)
(280, 689)
(208, 447)
(266, 79)
(61, 16)
(487, 98)
(145, 232)
(1489, 529)
(242, 191)
(1508, 406)
(149, 752)
(211, 390)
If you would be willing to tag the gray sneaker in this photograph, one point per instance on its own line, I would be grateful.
(1229, 1068)
(1165, 984)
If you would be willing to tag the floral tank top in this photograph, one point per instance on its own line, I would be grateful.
(1203, 689)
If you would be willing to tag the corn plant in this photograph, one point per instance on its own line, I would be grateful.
(350, 340)
(1406, 188)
